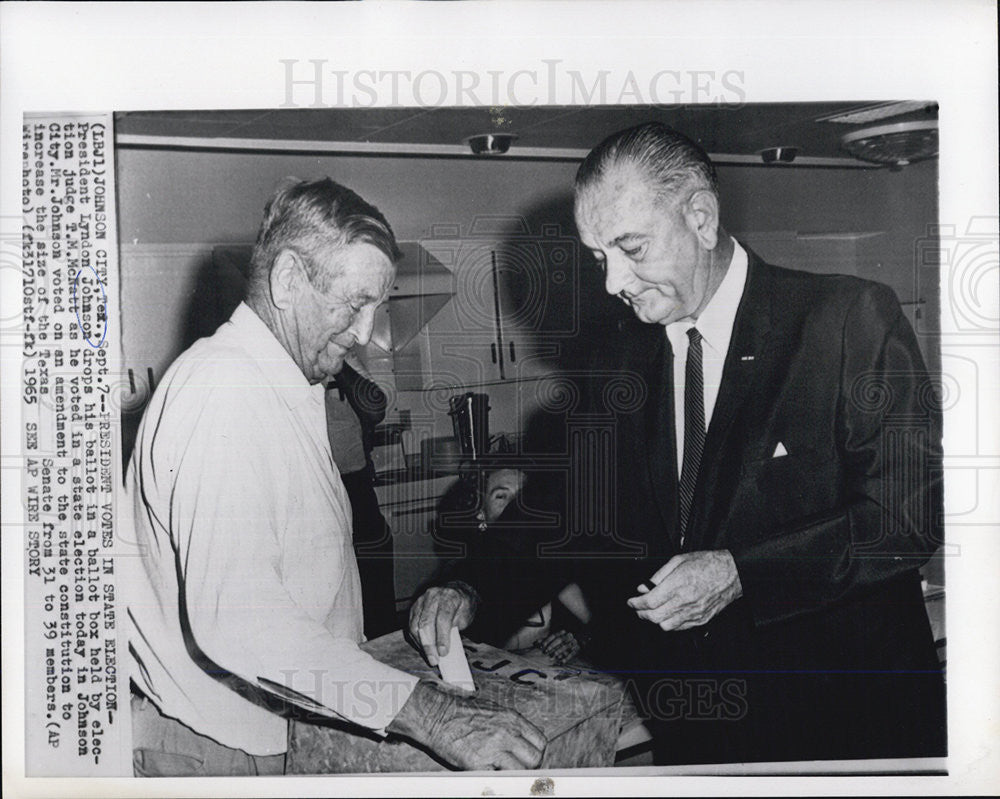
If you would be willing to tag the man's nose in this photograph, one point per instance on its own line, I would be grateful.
(616, 276)
(364, 324)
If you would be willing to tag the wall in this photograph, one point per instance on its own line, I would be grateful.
(181, 196)
(183, 202)
(169, 196)
(903, 205)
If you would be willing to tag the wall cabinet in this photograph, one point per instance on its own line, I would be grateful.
(516, 300)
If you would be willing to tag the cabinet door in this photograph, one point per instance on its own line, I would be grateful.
(538, 298)
(516, 301)
(463, 346)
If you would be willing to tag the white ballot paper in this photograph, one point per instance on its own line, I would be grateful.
(455, 666)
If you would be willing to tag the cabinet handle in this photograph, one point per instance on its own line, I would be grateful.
(497, 316)
(512, 356)
(493, 351)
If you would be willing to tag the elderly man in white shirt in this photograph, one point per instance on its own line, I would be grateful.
(246, 585)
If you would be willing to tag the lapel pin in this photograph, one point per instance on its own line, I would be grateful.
(746, 357)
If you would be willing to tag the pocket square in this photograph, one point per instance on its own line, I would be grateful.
(779, 451)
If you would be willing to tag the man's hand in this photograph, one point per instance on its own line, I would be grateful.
(433, 615)
(689, 590)
(468, 732)
(560, 646)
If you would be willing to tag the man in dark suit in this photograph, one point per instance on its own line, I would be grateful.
(775, 484)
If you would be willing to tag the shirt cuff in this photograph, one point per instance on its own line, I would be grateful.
(375, 701)
(372, 701)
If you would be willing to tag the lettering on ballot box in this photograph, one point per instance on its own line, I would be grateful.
(578, 711)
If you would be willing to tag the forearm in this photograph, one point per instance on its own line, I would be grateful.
(421, 713)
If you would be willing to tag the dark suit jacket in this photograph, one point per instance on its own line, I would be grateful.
(829, 652)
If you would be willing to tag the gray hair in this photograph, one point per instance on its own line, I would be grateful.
(314, 218)
(671, 161)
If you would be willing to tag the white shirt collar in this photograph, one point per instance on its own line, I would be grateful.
(716, 322)
(263, 347)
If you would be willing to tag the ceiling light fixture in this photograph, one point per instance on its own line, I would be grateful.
(782, 155)
(896, 145)
(491, 143)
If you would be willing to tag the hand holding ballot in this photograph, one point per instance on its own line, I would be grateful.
(434, 614)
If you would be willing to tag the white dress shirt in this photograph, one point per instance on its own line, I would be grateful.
(244, 548)
(716, 327)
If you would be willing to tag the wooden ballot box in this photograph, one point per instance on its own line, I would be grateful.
(579, 711)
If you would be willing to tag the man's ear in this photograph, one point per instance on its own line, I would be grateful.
(703, 217)
(286, 271)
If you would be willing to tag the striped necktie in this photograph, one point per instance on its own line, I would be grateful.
(694, 426)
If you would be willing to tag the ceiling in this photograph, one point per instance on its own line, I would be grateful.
(737, 130)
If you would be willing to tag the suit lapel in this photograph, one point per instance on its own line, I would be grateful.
(744, 362)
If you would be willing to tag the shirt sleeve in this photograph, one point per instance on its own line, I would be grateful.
(240, 617)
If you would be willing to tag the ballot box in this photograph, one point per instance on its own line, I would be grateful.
(578, 710)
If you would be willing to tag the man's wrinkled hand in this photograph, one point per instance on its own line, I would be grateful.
(469, 732)
(433, 615)
(689, 590)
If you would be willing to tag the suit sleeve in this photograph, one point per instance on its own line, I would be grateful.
(888, 437)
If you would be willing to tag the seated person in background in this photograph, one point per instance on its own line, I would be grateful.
(497, 533)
